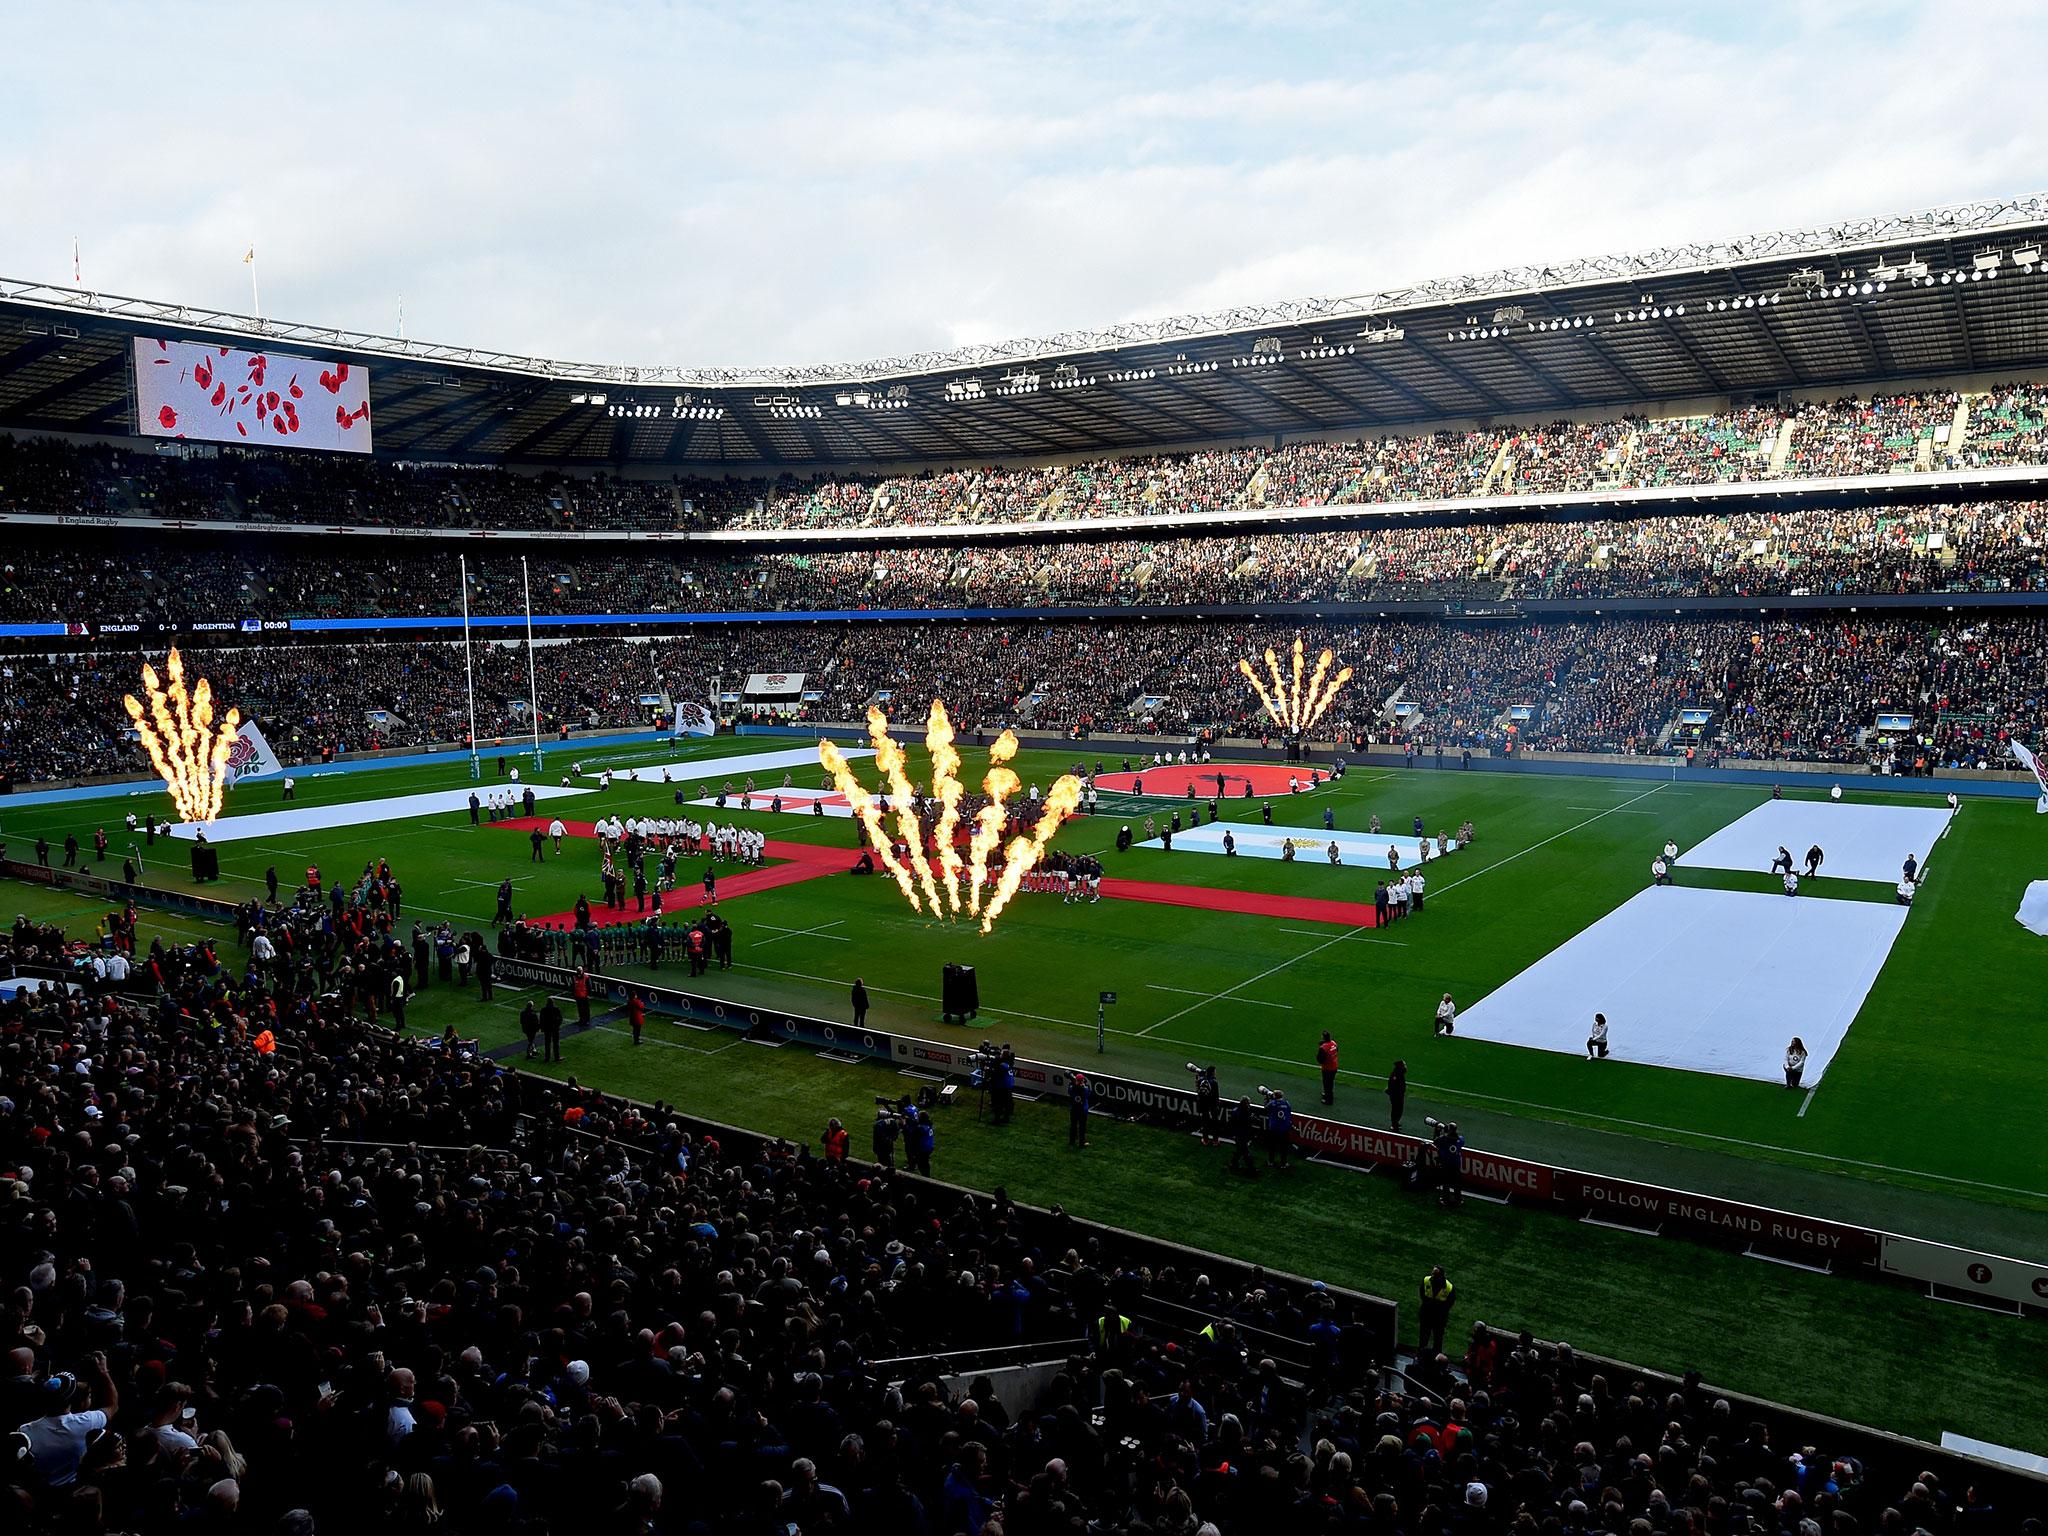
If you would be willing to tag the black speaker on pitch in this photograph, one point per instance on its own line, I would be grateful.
(205, 862)
(959, 993)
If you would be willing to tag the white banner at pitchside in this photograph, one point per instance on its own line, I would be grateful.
(250, 757)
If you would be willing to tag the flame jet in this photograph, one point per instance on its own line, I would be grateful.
(903, 798)
(946, 786)
(188, 752)
(1024, 853)
(998, 784)
(916, 880)
(1296, 706)
(870, 816)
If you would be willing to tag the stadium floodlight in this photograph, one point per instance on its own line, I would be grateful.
(1915, 269)
(1267, 346)
(1987, 262)
(2028, 256)
(599, 399)
(1381, 335)
(842, 398)
(1508, 314)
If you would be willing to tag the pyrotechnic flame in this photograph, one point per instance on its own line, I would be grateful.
(999, 784)
(188, 752)
(870, 816)
(1024, 853)
(1296, 707)
(903, 797)
(938, 740)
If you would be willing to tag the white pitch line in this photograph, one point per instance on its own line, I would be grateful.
(1362, 928)
(1193, 992)
(1807, 1100)
(1270, 970)
(1016, 1013)
(1576, 826)
(818, 932)
(1363, 938)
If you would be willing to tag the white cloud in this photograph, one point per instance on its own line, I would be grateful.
(798, 183)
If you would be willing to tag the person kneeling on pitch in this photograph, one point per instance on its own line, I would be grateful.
(1447, 1016)
(1596, 1041)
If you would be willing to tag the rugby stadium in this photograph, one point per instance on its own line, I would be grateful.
(972, 928)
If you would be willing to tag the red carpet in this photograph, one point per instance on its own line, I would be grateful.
(1266, 779)
(1309, 909)
(810, 861)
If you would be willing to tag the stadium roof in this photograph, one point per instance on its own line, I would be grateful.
(1955, 290)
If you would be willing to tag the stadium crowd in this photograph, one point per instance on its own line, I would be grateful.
(1972, 548)
(1894, 434)
(1776, 689)
(271, 1268)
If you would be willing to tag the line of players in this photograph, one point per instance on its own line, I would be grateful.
(1072, 876)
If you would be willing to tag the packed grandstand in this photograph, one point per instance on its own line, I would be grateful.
(1535, 629)
(347, 1278)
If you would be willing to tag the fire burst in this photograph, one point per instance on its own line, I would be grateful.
(188, 751)
(943, 882)
(1293, 706)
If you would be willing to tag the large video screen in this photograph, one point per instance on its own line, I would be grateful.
(221, 395)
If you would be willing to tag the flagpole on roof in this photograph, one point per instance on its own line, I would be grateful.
(255, 298)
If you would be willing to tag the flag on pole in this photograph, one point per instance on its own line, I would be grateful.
(2033, 765)
(249, 256)
(77, 273)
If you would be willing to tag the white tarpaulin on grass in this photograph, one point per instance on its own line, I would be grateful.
(1705, 980)
(2033, 912)
(1862, 842)
(1362, 850)
(713, 771)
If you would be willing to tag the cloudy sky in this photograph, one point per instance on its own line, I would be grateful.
(768, 183)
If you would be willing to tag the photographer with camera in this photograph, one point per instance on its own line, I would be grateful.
(1077, 1111)
(1449, 1148)
(1208, 1103)
(1279, 1126)
(998, 1069)
(887, 1128)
